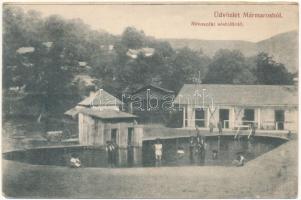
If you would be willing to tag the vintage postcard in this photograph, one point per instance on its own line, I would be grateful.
(150, 100)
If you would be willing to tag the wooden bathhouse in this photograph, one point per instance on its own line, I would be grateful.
(151, 103)
(97, 127)
(152, 97)
(100, 120)
(268, 107)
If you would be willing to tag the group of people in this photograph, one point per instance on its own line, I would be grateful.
(197, 146)
(197, 149)
(200, 146)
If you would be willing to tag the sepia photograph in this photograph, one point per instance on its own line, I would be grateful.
(148, 100)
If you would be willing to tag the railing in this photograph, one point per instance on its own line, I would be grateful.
(274, 125)
(226, 124)
(248, 122)
(245, 124)
(279, 125)
(242, 125)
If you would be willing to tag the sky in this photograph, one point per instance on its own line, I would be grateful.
(174, 21)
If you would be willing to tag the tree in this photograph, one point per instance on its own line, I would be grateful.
(19, 30)
(229, 67)
(132, 73)
(47, 69)
(185, 66)
(131, 38)
(270, 72)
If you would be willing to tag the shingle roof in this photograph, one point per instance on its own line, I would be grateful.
(251, 95)
(154, 87)
(100, 98)
(72, 112)
(106, 114)
(23, 50)
(133, 53)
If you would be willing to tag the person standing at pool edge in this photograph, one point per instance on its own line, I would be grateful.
(191, 149)
(198, 137)
(158, 152)
(252, 132)
(110, 153)
(201, 150)
(211, 126)
(115, 154)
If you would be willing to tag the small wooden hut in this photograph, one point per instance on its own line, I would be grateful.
(100, 120)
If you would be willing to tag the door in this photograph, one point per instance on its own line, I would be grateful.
(200, 117)
(114, 136)
(279, 119)
(224, 117)
(130, 147)
(130, 136)
(249, 117)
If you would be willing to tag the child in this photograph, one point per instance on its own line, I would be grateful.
(214, 154)
(191, 149)
(158, 152)
(75, 162)
(180, 151)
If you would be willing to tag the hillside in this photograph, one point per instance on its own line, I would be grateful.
(283, 47)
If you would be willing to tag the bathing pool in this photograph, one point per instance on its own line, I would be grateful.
(219, 151)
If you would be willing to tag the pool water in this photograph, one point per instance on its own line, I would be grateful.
(225, 147)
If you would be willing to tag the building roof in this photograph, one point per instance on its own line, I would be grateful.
(86, 79)
(248, 95)
(147, 52)
(72, 112)
(23, 50)
(107, 114)
(144, 88)
(100, 98)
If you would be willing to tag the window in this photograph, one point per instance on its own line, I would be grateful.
(186, 115)
(200, 117)
(279, 119)
(249, 116)
(224, 117)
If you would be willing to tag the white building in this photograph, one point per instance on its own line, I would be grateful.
(269, 107)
